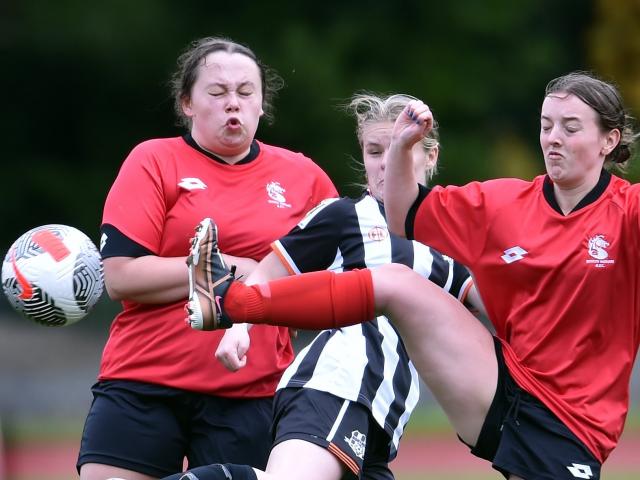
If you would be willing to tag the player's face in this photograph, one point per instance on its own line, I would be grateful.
(376, 138)
(225, 104)
(572, 142)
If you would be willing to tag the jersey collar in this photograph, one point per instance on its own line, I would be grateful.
(589, 198)
(254, 150)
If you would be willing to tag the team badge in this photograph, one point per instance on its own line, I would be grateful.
(357, 442)
(276, 195)
(597, 249)
(378, 234)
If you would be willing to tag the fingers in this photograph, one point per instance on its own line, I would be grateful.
(419, 113)
(231, 359)
(233, 347)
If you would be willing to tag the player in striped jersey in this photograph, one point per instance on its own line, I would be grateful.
(343, 404)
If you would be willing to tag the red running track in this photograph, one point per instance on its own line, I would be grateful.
(46, 460)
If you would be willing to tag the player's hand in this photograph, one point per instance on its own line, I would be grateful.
(232, 350)
(412, 124)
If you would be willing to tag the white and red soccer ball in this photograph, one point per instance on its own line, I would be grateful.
(53, 275)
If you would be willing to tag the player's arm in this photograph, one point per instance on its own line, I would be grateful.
(474, 301)
(148, 279)
(269, 268)
(153, 279)
(133, 272)
(400, 183)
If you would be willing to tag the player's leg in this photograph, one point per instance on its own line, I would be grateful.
(319, 436)
(294, 459)
(216, 300)
(452, 351)
(97, 471)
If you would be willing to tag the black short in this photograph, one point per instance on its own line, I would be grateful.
(345, 428)
(521, 436)
(151, 429)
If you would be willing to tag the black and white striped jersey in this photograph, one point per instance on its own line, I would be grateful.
(366, 363)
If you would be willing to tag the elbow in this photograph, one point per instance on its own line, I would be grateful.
(114, 293)
(116, 289)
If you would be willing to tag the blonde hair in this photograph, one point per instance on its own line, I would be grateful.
(368, 108)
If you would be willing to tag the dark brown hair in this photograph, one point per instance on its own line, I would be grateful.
(605, 99)
(186, 74)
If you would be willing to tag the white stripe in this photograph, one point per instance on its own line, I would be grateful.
(385, 395)
(447, 286)
(369, 217)
(336, 424)
(422, 259)
(341, 366)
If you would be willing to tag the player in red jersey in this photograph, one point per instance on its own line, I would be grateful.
(555, 261)
(161, 395)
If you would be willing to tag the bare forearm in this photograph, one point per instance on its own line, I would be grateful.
(400, 187)
(269, 268)
(244, 266)
(153, 279)
(148, 279)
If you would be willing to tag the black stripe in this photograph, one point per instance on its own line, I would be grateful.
(374, 371)
(401, 386)
(352, 243)
(439, 269)
(402, 251)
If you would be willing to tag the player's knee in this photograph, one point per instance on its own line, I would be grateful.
(389, 283)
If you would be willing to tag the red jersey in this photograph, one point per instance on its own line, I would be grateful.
(163, 190)
(562, 291)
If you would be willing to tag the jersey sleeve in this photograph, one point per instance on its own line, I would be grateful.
(458, 212)
(136, 202)
(312, 245)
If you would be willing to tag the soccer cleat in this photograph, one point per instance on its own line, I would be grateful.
(209, 280)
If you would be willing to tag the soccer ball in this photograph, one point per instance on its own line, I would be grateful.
(53, 275)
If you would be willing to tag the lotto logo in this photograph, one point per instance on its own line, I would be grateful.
(513, 254)
(580, 471)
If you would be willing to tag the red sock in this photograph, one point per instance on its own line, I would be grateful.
(312, 301)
